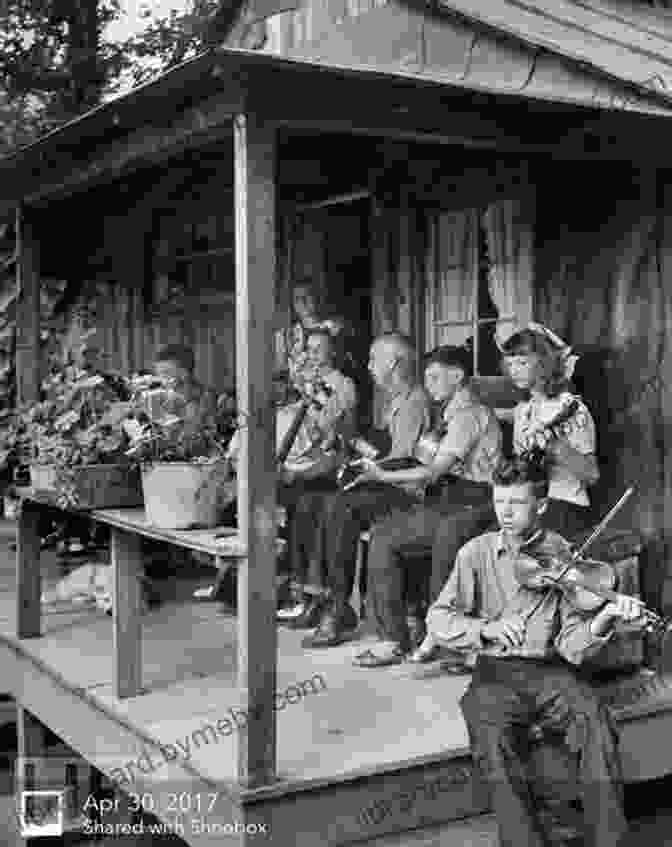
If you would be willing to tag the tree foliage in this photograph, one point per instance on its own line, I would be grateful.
(57, 61)
(164, 42)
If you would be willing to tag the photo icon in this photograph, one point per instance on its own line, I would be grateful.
(41, 814)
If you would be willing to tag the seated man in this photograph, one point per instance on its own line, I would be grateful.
(344, 515)
(528, 643)
(457, 504)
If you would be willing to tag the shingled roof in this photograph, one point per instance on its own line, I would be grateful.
(605, 54)
(626, 41)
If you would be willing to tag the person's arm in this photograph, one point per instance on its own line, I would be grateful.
(581, 465)
(583, 634)
(337, 418)
(454, 620)
(413, 420)
(462, 433)
(576, 450)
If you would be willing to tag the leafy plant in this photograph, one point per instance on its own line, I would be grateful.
(162, 430)
(73, 425)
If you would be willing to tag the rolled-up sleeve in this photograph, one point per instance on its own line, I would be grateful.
(575, 642)
(453, 620)
(409, 420)
(462, 434)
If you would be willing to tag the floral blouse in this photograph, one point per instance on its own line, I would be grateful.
(530, 429)
(291, 350)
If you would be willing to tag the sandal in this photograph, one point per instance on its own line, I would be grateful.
(371, 659)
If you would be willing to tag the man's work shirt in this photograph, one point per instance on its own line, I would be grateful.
(471, 432)
(483, 587)
(407, 417)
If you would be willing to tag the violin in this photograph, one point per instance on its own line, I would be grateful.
(586, 583)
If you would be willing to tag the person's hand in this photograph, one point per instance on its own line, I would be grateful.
(623, 608)
(369, 471)
(560, 451)
(507, 631)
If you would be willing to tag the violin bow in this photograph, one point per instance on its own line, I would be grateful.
(602, 525)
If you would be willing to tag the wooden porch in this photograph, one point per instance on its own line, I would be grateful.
(359, 753)
(364, 754)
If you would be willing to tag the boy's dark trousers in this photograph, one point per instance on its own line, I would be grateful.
(509, 696)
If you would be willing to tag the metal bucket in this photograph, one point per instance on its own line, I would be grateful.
(186, 495)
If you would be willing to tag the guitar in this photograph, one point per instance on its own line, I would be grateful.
(317, 398)
(423, 454)
(536, 441)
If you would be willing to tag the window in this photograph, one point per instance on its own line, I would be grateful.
(479, 279)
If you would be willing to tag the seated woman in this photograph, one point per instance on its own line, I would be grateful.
(555, 422)
(327, 412)
(456, 507)
(293, 343)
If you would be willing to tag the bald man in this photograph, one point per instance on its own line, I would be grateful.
(393, 367)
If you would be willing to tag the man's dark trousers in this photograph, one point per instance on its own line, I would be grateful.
(347, 515)
(506, 697)
(439, 527)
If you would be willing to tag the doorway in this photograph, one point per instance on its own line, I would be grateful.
(333, 247)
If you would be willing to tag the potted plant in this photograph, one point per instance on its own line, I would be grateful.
(77, 442)
(187, 480)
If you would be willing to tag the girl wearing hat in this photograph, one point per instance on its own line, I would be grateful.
(553, 422)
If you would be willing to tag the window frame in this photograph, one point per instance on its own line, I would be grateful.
(476, 322)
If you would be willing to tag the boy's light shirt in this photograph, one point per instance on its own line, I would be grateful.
(483, 587)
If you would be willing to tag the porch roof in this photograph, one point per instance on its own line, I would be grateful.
(628, 74)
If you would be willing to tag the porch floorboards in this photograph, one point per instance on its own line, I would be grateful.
(360, 736)
(357, 722)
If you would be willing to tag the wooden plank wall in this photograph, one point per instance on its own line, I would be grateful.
(603, 283)
(117, 300)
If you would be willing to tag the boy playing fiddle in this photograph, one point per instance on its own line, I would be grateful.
(529, 643)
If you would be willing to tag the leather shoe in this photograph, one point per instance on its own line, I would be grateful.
(333, 629)
(309, 617)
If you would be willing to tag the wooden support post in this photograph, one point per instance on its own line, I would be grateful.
(28, 575)
(27, 311)
(254, 159)
(127, 611)
(30, 748)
